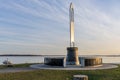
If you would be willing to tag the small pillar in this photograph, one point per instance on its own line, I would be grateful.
(80, 77)
(72, 56)
(82, 60)
(64, 62)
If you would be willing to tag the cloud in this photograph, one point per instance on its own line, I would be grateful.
(44, 25)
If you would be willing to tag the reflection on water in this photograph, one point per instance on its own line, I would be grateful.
(40, 59)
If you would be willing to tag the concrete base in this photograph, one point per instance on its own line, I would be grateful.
(43, 66)
(90, 61)
(72, 56)
(55, 61)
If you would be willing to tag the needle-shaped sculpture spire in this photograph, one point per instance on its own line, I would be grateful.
(71, 15)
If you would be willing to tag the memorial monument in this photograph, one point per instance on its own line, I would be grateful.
(72, 57)
(72, 51)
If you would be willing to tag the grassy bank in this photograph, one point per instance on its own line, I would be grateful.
(111, 74)
(17, 65)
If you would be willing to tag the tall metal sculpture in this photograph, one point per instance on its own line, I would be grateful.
(71, 16)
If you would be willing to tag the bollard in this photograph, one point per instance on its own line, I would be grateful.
(80, 77)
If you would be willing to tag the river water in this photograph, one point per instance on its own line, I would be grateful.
(40, 59)
(22, 59)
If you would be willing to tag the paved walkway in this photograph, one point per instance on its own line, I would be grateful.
(7, 70)
(42, 66)
(104, 66)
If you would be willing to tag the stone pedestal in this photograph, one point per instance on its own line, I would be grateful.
(80, 77)
(72, 56)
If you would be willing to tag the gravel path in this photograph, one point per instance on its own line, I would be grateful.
(7, 70)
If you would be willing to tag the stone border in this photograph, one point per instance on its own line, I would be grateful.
(47, 67)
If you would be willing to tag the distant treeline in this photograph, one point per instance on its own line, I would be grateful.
(59, 55)
(19, 55)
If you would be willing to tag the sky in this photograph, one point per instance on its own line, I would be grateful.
(42, 27)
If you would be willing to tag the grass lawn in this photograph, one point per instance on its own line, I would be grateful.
(17, 65)
(111, 74)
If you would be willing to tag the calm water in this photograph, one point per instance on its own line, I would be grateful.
(22, 59)
(40, 59)
(111, 60)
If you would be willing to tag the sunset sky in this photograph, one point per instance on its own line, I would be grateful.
(42, 26)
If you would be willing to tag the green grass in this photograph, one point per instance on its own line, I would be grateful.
(23, 65)
(17, 65)
(110, 74)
